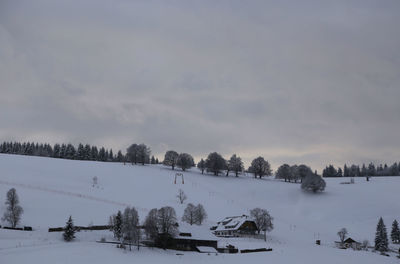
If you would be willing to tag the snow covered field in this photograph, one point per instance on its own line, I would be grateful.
(52, 189)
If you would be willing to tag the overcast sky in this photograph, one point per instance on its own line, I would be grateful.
(313, 82)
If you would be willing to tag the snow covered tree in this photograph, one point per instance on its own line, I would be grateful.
(283, 172)
(80, 154)
(201, 165)
(130, 226)
(189, 215)
(171, 158)
(201, 214)
(339, 172)
(314, 183)
(342, 233)
(185, 161)
(303, 171)
(262, 219)
(261, 167)
(181, 196)
(117, 228)
(69, 230)
(365, 244)
(13, 210)
(381, 239)
(215, 163)
(235, 164)
(371, 170)
(395, 234)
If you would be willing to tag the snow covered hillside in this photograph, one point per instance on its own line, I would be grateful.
(52, 189)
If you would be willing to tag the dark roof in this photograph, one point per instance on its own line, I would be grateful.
(350, 240)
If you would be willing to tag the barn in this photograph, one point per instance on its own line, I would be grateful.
(235, 226)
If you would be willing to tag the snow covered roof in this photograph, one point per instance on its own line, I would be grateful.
(232, 222)
(206, 250)
(196, 232)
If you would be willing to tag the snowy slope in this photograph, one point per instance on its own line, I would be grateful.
(52, 189)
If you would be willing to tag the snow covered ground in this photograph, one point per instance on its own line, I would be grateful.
(52, 189)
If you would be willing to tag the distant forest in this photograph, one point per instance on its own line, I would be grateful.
(141, 154)
(62, 151)
(363, 171)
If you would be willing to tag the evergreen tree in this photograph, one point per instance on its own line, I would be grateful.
(118, 226)
(339, 172)
(395, 234)
(90, 153)
(346, 172)
(69, 231)
(120, 157)
(371, 170)
(381, 239)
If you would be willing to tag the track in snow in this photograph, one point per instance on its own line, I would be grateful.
(71, 194)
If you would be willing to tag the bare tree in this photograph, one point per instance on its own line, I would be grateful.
(283, 172)
(200, 213)
(143, 154)
(262, 219)
(185, 161)
(189, 215)
(215, 163)
(150, 224)
(365, 244)
(13, 210)
(130, 226)
(132, 153)
(181, 196)
(171, 158)
(303, 171)
(166, 220)
(261, 167)
(201, 165)
(235, 164)
(342, 233)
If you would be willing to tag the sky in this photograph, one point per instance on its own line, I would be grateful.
(314, 82)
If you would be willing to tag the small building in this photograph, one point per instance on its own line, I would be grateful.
(349, 243)
(193, 238)
(235, 226)
(188, 243)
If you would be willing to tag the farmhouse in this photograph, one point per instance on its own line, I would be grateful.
(235, 226)
(349, 243)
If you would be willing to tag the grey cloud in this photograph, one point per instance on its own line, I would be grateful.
(307, 81)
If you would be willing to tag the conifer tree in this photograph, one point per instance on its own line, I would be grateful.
(395, 234)
(69, 232)
(118, 226)
(381, 239)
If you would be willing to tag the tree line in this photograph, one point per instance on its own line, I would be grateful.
(363, 171)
